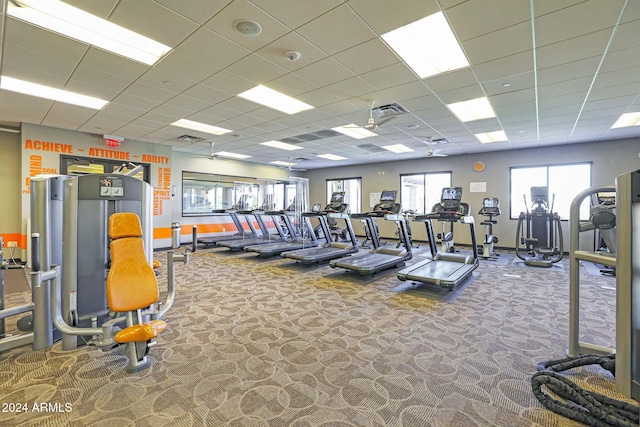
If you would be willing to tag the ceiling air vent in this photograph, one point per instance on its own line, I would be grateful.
(371, 148)
(389, 110)
(190, 138)
(306, 137)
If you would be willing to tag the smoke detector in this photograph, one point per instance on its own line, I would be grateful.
(292, 55)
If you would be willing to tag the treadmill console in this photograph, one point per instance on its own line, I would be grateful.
(337, 203)
(387, 204)
(451, 198)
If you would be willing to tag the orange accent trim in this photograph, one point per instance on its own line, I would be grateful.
(187, 229)
(14, 237)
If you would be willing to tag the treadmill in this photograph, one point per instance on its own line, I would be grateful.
(239, 208)
(380, 257)
(332, 213)
(267, 237)
(307, 237)
(446, 269)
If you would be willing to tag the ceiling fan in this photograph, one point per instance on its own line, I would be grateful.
(212, 155)
(290, 164)
(434, 152)
(371, 123)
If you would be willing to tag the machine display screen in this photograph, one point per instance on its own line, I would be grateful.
(538, 193)
(338, 196)
(452, 193)
(388, 196)
(491, 202)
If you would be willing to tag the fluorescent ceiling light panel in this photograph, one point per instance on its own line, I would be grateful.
(626, 120)
(232, 155)
(397, 148)
(331, 157)
(281, 163)
(354, 131)
(202, 127)
(77, 24)
(46, 92)
(488, 137)
(428, 46)
(281, 145)
(274, 99)
(474, 109)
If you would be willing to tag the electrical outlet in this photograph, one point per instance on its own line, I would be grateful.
(12, 244)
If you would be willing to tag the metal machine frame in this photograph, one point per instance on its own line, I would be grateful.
(627, 263)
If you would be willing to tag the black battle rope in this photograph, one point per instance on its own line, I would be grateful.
(589, 408)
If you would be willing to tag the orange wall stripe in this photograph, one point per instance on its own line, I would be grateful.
(14, 237)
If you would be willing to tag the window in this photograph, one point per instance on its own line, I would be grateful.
(352, 188)
(419, 192)
(564, 183)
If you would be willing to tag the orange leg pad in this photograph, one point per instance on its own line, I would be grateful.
(141, 332)
(156, 263)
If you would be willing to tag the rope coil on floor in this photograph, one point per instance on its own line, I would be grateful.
(587, 407)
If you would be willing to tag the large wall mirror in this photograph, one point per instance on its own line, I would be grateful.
(207, 194)
(210, 194)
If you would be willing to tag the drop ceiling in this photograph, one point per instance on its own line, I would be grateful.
(555, 72)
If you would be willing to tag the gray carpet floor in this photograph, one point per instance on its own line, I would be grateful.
(269, 342)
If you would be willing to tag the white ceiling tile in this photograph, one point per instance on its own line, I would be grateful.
(33, 75)
(390, 76)
(44, 41)
(464, 17)
(383, 15)
(27, 58)
(166, 82)
(229, 83)
(293, 85)
(291, 14)
(589, 45)
(552, 28)
(501, 68)
(349, 88)
(337, 30)
(160, 23)
(13, 106)
(256, 69)
(199, 11)
(451, 80)
(203, 95)
(186, 66)
(367, 56)
(111, 63)
(210, 47)
(325, 72)
(498, 44)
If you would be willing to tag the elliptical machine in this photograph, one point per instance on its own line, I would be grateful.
(544, 230)
(490, 208)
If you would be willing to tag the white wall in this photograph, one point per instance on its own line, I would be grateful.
(610, 159)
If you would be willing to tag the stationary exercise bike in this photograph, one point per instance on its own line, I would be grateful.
(544, 230)
(490, 208)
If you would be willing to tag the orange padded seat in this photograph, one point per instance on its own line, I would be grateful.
(131, 282)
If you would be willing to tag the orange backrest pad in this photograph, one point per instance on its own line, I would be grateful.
(131, 282)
